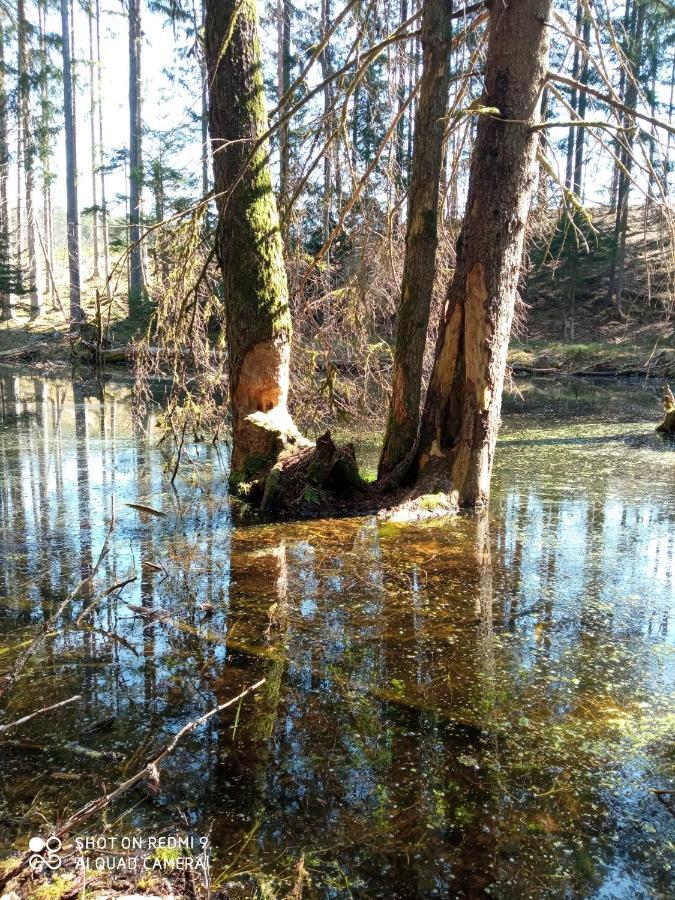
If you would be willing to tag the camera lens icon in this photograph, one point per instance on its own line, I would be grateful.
(45, 854)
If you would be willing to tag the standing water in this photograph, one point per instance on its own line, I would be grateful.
(477, 707)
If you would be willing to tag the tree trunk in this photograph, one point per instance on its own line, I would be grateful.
(5, 259)
(205, 104)
(583, 99)
(571, 134)
(101, 156)
(421, 238)
(28, 156)
(92, 124)
(136, 284)
(249, 240)
(283, 84)
(627, 139)
(72, 213)
(45, 152)
(461, 415)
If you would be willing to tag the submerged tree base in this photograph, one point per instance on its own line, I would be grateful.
(668, 424)
(322, 480)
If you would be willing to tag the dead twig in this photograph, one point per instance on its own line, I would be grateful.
(38, 712)
(149, 772)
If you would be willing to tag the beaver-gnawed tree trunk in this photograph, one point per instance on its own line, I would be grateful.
(668, 424)
(421, 237)
(248, 241)
(462, 410)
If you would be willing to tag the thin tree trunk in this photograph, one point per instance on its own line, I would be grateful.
(92, 133)
(101, 156)
(205, 110)
(571, 134)
(461, 414)
(583, 99)
(328, 127)
(617, 266)
(72, 214)
(45, 151)
(249, 240)
(421, 238)
(28, 156)
(136, 284)
(283, 84)
(5, 256)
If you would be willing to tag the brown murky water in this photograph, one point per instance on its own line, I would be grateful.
(479, 707)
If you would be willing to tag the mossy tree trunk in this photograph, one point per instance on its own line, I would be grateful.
(249, 242)
(421, 237)
(461, 415)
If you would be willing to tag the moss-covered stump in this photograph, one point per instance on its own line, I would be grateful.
(309, 481)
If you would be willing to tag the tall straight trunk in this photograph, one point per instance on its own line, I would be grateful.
(618, 147)
(92, 135)
(19, 202)
(283, 84)
(574, 100)
(101, 156)
(136, 285)
(72, 214)
(249, 245)
(581, 109)
(28, 155)
(205, 109)
(400, 99)
(45, 150)
(461, 414)
(616, 269)
(671, 106)
(421, 237)
(328, 126)
(5, 257)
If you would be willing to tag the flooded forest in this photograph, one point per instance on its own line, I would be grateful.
(337, 449)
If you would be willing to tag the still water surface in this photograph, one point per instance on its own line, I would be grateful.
(480, 707)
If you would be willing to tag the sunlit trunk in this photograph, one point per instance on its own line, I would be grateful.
(462, 410)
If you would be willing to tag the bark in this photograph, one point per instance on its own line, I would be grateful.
(92, 124)
(28, 156)
(136, 284)
(583, 102)
(574, 99)
(205, 105)
(617, 266)
(45, 156)
(421, 237)
(329, 127)
(283, 85)
(5, 262)
(461, 414)
(101, 158)
(249, 242)
(72, 215)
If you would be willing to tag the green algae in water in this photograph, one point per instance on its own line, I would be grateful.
(478, 708)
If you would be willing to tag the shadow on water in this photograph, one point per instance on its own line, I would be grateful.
(482, 707)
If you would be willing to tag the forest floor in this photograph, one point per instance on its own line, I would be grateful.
(565, 325)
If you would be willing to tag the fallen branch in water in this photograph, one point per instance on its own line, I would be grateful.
(10, 680)
(4, 728)
(94, 603)
(149, 772)
(141, 507)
